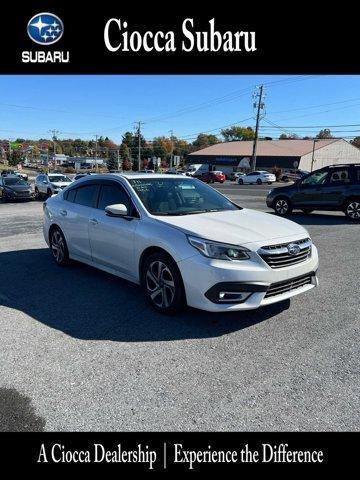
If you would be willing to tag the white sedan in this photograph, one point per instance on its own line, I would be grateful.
(259, 177)
(181, 240)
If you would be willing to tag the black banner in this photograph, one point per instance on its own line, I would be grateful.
(180, 38)
(182, 452)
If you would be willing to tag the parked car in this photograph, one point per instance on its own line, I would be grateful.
(13, 187)
(22, 175)
(293, 175)
(234, 176)
(5, 173)
(146, 171)
(49, 184)
(181, 240)
(212, 177)
(258, 177)
(82, 175)
(336, 187)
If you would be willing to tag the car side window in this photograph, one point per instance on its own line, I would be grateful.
(111, 195)
(340, 176)
(317, 178)
(70, 195)
(86, 195)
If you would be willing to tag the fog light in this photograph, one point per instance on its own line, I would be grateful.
(233, 296)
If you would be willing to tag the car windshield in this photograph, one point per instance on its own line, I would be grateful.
(14, 181)
(172, 196)
(59, 178)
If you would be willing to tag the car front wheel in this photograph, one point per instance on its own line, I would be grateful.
(352, 210)
(162, 283)
(240, 181)
(282, 206)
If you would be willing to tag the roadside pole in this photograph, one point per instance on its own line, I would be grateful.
(259, 105)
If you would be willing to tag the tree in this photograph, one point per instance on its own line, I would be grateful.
(325, 133)
(291, 136)
(125, 152)
(205, 140)
(112, 161)
(15, 158)
(235, 133)
(356, 142)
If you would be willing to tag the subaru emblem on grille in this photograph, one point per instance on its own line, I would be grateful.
(293, 248)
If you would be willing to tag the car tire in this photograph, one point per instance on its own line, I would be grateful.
(352, 210)
(162, 283)
(269, 183)
(58, 247)
(282, 206)
(307, 211)
(259, 181)
(49, 193)
(4, 198)
(240, 181)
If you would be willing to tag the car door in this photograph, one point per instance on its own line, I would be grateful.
(75, 213)
(248, 178)
(309, 192)
(336, 186)
(112, 238)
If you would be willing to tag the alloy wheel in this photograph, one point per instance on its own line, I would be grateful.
(57, 246)
(160, 284)
(353, 210)
(282, 207)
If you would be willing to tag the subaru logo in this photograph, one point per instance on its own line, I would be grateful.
(293, 248)
(45, 28)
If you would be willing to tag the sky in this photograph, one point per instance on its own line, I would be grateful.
(85, 105)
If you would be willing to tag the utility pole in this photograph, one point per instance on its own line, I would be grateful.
(96, 147)
(259, 105)
(172, 148)
(313, 154)
(54, 133)
(139, 143)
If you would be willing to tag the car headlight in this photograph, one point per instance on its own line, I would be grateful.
(222, 251)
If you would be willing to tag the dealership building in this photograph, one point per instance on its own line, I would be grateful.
(286, 154)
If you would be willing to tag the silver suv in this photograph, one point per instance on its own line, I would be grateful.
(51, 183)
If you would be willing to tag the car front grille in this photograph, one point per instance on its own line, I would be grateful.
(280, 256)
(289, 285)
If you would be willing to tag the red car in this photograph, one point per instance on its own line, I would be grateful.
(212, 177)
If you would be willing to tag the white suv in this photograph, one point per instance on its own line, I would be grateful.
(259, 177)
(181, 240)
(49, 184)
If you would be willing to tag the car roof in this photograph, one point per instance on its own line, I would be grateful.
(134, 175)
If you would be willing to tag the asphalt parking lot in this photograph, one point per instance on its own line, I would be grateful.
(81, 350)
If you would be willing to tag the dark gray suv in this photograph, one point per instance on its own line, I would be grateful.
(336, 187)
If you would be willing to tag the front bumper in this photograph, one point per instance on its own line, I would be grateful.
(19, 195)
(204, 278)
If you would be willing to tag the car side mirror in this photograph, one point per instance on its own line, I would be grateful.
(117, 210)
(44, 181)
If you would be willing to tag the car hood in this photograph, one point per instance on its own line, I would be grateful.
(236, 227)
(61, 184)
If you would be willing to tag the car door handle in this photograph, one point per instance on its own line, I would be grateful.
(63, 213)
(93, 221)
